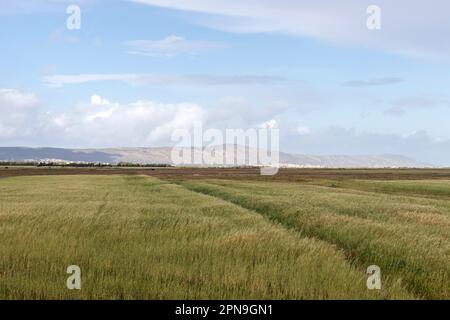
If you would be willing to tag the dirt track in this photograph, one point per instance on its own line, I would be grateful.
(241, 173)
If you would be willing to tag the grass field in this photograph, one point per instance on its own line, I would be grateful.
(170, 236)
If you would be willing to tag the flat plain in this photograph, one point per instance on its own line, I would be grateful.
(224, 233)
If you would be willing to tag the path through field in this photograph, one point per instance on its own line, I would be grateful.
(139, 237)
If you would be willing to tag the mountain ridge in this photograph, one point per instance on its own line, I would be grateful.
(162, 155)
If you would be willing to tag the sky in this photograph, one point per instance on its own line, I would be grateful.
(135, 71)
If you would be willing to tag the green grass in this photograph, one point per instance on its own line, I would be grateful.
(407, 236)
(429, 188)
(143, 238)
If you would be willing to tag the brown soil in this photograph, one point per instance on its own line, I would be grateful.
(240, 173)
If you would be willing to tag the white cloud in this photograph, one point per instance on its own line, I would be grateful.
(303, 131)
(17, 7)
(410, 27)
(401, 106)
(373, 82)
(271, 124)
(96, 123)
(418, 145)
(140, 123)
(18, 109)
(61, 80)
(170, 46)
(100, 122)
(162, 80)
(11, 99)
(96, 99)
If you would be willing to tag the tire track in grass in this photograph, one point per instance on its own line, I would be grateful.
(394, 188)
(389, 281)
(426, 278)
(197, 246)
(102, 206)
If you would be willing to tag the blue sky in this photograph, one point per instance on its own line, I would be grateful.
(332, 85)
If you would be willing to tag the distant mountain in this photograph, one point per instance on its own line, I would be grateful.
(162, 155)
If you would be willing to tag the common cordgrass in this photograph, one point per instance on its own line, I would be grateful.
(137, 237)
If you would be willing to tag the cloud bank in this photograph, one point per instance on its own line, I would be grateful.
(414, 28)
(163, 80)
(99, 122)
(171, 46)
(373, 82)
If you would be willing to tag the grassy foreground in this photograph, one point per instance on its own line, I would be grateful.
(404, 228)
(138, 237)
